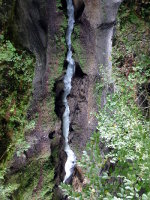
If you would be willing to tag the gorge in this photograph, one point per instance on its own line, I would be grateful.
(74, 97)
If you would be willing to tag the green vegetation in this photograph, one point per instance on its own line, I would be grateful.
(35, 181)
(58, 5)
(121, 170)
(16, 74)
(78, 53)
(140, 7)
(124, 171)
(16, 83)
(132, 49)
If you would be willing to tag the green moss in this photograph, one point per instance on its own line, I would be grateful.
(77, 47)
(58, 5)
(98, 89)
(54, 155)
(35, 181)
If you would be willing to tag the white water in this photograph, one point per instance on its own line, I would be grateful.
(71, 158)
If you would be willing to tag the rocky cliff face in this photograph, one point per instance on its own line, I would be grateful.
(40, 27)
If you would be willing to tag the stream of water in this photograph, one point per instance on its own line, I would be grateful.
(71, 158)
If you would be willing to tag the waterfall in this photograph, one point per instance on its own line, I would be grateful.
(71, 158)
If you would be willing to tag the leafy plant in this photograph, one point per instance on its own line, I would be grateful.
(126, 134)
(16, 74)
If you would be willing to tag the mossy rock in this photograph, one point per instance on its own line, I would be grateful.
(35, 181)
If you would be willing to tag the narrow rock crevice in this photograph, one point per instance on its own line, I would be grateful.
(107, 25)
(79, 8)
(59, 90)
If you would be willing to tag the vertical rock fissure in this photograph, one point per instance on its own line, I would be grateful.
(71, 158)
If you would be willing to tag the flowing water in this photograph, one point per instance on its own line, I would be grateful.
(71, 158)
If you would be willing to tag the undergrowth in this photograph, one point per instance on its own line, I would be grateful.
(123, 171)
(16, 74)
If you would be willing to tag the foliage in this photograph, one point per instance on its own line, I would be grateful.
(77, 47)
(16, 74)
(126, 135)
(132, 40)
(140, 7)
(35, 181)
(131, 55)
(5, 192)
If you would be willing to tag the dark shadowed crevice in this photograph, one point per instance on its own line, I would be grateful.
(143, 93)
(59, 90)
(79, 8)
(79, 73)
(51, 135)
(63, 5)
